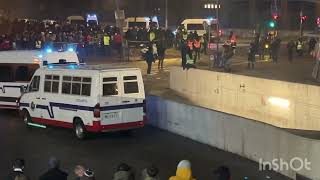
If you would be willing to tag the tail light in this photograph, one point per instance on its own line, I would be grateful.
(96, 111)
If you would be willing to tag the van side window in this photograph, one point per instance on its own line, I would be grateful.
(76, 85)
(110, 86)
(34, 85)
(130, 84)
(51, 83)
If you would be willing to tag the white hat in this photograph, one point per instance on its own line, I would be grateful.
(184, 164)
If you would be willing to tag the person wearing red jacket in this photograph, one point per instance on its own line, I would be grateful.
(117, 39)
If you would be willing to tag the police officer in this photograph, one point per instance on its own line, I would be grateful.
(38, 44)
(299, 47)
(106, 43)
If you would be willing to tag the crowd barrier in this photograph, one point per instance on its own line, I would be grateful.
(247, 138)
(279, 103)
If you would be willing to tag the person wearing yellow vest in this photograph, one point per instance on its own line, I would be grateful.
(38, 44)
(299, 47)
(152, 35)
(106, 43)
(197, 47)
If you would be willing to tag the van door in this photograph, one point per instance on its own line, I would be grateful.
(133, 96)
(110, 99)
(49, 95)
(33, 97)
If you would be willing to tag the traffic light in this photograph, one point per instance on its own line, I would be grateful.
(275, 17)
(272, 24)
(303, 18)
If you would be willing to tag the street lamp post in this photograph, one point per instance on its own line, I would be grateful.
(120, 26)
(166, 14)
(218, 20)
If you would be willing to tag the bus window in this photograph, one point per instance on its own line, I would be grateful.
(138, 24)
(6, 74)
(195, 27)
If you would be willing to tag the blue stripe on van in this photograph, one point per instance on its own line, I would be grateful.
(72, 107)
(50, 111)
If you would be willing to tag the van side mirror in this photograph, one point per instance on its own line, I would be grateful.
(24, 89)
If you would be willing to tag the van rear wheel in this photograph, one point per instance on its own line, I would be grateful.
(79, 130)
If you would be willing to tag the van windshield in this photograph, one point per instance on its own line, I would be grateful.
(17, 72)
(138, 24)
(195, 27)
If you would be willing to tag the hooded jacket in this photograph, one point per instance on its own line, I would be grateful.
(183, 172)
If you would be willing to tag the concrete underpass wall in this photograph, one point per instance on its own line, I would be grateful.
(241, 136)
(282, 104)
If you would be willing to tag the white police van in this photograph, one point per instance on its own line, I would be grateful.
(85, 98)
(17, 68)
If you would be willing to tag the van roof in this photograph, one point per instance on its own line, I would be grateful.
(138, 19)
(83, 67)
(193, 21)
(197, 21)
(19, 56)
(70, 18)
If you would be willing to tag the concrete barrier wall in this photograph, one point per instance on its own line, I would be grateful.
(246, 138)
(282, 104)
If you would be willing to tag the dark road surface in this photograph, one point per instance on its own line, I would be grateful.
(104, 152)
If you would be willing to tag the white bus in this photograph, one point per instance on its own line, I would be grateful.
(199, 25)
(17, 69)
(140, 22)
(84, 98)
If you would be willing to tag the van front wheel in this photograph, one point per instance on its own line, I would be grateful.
(26, 117)
(79, 130)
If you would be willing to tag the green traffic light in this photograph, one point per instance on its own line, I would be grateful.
(272, 24)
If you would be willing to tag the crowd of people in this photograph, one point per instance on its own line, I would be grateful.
(122, 172)
(270, 47)
(28, 35)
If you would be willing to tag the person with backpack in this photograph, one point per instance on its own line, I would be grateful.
(18, 171)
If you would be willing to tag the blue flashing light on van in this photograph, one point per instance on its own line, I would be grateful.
(49, 50)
